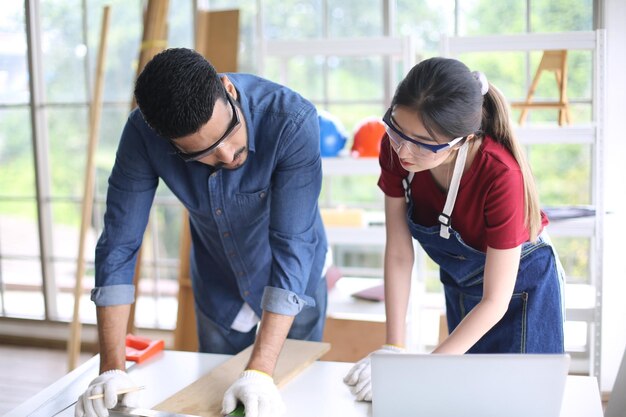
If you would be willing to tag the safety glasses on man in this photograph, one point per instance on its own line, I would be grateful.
(234, 125)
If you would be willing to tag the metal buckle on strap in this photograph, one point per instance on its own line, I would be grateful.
(444, 219)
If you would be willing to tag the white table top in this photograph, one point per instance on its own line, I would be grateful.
(317, 391)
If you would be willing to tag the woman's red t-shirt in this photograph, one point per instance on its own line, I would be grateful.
(489, 209)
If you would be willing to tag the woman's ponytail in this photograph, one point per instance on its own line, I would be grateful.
(497, 124)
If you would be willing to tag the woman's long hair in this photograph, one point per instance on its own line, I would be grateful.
(447, 97)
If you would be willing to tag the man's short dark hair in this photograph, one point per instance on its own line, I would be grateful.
(176, 92)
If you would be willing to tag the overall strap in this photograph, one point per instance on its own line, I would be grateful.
(444, 216)
(406, 183)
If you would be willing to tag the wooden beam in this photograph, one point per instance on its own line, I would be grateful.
(153, 41)
(185, 333)
(73, 345)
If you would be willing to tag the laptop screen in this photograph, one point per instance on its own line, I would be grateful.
(471, 385)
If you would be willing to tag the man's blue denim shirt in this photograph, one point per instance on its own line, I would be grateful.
(256, 231)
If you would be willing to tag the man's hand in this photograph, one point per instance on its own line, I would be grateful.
(359, 378)
(257, 392)
(108, 383)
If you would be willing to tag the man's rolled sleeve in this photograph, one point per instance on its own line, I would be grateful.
(281, 301)
(113, 295)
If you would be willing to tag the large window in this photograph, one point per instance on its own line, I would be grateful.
(37, 285)
(20, 270)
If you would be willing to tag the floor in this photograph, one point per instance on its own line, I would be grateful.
(24, 371)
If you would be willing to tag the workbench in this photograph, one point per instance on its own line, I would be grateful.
(318, 391)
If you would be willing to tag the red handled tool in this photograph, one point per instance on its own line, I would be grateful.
(138, 349)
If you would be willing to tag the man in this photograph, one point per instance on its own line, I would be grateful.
(242, 155)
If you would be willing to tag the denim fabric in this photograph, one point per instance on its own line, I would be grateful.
(533, 322)
(119, 294)
(254, 229)
(308, 325)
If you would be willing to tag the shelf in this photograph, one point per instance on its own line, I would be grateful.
(527, 135)
(339, 47)
(550, 135)
(350, 166)
(452, 46)
(582, 227)
(583, 302)
(342, 305)
(579, 302)
(375, 235)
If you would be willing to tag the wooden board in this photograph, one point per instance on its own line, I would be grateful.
(217, 38)
(204, 397)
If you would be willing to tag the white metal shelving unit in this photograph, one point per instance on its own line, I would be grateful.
(589, 310)
(395, 50)
(398, 52)
(402, 49)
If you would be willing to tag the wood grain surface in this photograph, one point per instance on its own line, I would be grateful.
(204, 397)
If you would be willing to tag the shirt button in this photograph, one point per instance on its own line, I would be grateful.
(246, 293)
(241, 273)
(218, 212)
(231, 254)
(262, 195)
(226, 234)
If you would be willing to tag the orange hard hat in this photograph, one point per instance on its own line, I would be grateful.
(367, 137)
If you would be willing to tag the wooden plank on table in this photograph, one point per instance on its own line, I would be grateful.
(204, 397)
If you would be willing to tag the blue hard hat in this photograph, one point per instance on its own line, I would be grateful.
(333, 135)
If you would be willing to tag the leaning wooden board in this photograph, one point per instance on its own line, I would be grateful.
(204, 397)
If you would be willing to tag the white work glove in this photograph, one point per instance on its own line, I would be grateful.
(359, 378)
(258, 394)
(108, 383)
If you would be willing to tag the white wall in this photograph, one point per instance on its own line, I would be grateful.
(614, 277)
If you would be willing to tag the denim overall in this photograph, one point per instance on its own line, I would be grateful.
(533, 322)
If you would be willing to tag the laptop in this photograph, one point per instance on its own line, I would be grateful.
(471, 385)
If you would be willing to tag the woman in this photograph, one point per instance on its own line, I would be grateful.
(456, 180)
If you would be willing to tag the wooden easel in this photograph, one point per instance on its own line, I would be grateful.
(552, 61)
(217, 39)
